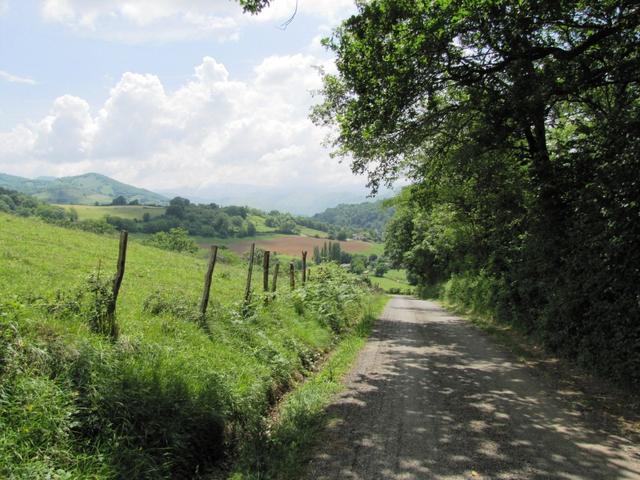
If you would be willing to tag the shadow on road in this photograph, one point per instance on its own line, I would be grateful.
(431, 397)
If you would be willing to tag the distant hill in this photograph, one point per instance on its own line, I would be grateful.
(300, 199)
(366, 215)
(80, 190)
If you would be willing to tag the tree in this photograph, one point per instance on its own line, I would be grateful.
(254, 6)
(414, 78)
(177, 207)
(251, 229)
(176, 239)
(517, 123)
(380, 269)
(119, 200)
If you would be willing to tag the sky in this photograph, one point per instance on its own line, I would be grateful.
(169, 95)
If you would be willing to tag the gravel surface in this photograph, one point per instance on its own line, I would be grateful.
(430, 396)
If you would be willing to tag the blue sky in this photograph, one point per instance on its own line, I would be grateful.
(166, 94)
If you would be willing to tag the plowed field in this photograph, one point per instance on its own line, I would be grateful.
(294, 244)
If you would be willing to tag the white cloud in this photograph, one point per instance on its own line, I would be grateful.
(17, 143)
(211, 130)
(66, 133)
(134, 119)
(331, 11)
(14, 78)
(136, 21)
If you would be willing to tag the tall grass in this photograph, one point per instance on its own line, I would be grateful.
(283, 449)
(174, 395)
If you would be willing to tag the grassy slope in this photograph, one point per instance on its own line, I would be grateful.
(162, 381)
(300, 417)
(396, 279)
(90, 212)
(375, 249)
(261, 227)
(312, 232)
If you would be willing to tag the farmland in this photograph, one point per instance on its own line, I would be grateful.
(131, 212)
(265, 236)
(292, 245)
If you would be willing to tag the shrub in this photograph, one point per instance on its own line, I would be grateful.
(335, 295)
(176, 239)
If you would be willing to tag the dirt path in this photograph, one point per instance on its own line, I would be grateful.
(432, 397)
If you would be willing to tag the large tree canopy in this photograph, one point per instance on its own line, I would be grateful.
(518, 123)
(414, 76)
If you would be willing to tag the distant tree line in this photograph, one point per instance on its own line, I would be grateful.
(208, 220)
(358, 263)
(122, 200)
(27, 206)
(282, 222)
(367, 217)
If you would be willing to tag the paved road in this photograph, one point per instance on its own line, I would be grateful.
(432, 397)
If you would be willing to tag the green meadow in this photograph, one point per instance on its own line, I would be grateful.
(175, 395)
(97, 212)
(393, 280)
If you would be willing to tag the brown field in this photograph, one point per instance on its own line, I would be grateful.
(293, 245)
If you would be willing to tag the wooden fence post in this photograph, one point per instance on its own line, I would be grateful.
(292, 276)
(122, 259)
(247, 292)
(207, 280)
(117, 282)
(276, 267)
(304, 267)
(265, 270)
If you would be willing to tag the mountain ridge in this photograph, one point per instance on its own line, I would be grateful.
(89, 188)
(85, 189)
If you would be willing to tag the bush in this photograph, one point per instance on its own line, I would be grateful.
(333, 294)
(176, 239)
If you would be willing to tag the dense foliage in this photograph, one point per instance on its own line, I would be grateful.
(209, 220)
(176, 239)
(365, 216)
(281, 222)
(517, 122)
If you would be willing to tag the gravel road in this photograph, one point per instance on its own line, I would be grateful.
(432, 397)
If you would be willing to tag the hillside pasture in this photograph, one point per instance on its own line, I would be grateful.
(292, 245)
(392, 280)
(131, 212)
(177, 391)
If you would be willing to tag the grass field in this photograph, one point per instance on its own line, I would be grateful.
(311, 232)
(261, 227)
(174, 393)
(393, 279)
(90, 212)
